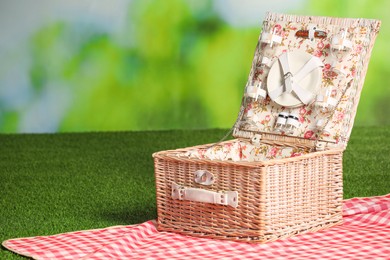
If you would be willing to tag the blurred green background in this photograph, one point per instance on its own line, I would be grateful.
(87, 65)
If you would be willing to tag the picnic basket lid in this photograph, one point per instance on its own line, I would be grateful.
(306, 78)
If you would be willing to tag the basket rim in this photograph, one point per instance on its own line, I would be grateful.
(173, 155)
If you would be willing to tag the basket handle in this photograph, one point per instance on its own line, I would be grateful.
(228, 198)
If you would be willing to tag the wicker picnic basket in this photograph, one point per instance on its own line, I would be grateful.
(282, 175)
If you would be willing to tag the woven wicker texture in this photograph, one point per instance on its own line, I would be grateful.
(277, 198)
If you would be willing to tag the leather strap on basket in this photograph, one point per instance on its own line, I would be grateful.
(228, 198)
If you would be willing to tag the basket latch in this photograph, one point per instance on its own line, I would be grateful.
(320, 146)
(204, 177)
(256, 139)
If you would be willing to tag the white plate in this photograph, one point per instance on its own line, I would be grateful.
(296, 60)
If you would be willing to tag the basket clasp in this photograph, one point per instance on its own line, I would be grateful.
(204, 177)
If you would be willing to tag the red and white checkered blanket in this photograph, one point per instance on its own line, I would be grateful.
(365, 234)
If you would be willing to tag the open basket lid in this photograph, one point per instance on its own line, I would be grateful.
(306, 78)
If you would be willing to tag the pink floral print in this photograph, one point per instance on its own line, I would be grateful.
(266, 111)
(235, 150)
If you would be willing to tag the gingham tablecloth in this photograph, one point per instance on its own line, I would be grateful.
(365, 234)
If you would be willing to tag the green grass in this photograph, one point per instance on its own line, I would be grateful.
(54, 183)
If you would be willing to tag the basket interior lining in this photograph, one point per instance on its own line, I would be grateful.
(243, 150)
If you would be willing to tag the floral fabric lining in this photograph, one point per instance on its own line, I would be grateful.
(241, 150)
(343, 73)
(341, 69)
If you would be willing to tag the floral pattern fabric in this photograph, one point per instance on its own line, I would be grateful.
(343, 75)
(241, 150)
(342, 78)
